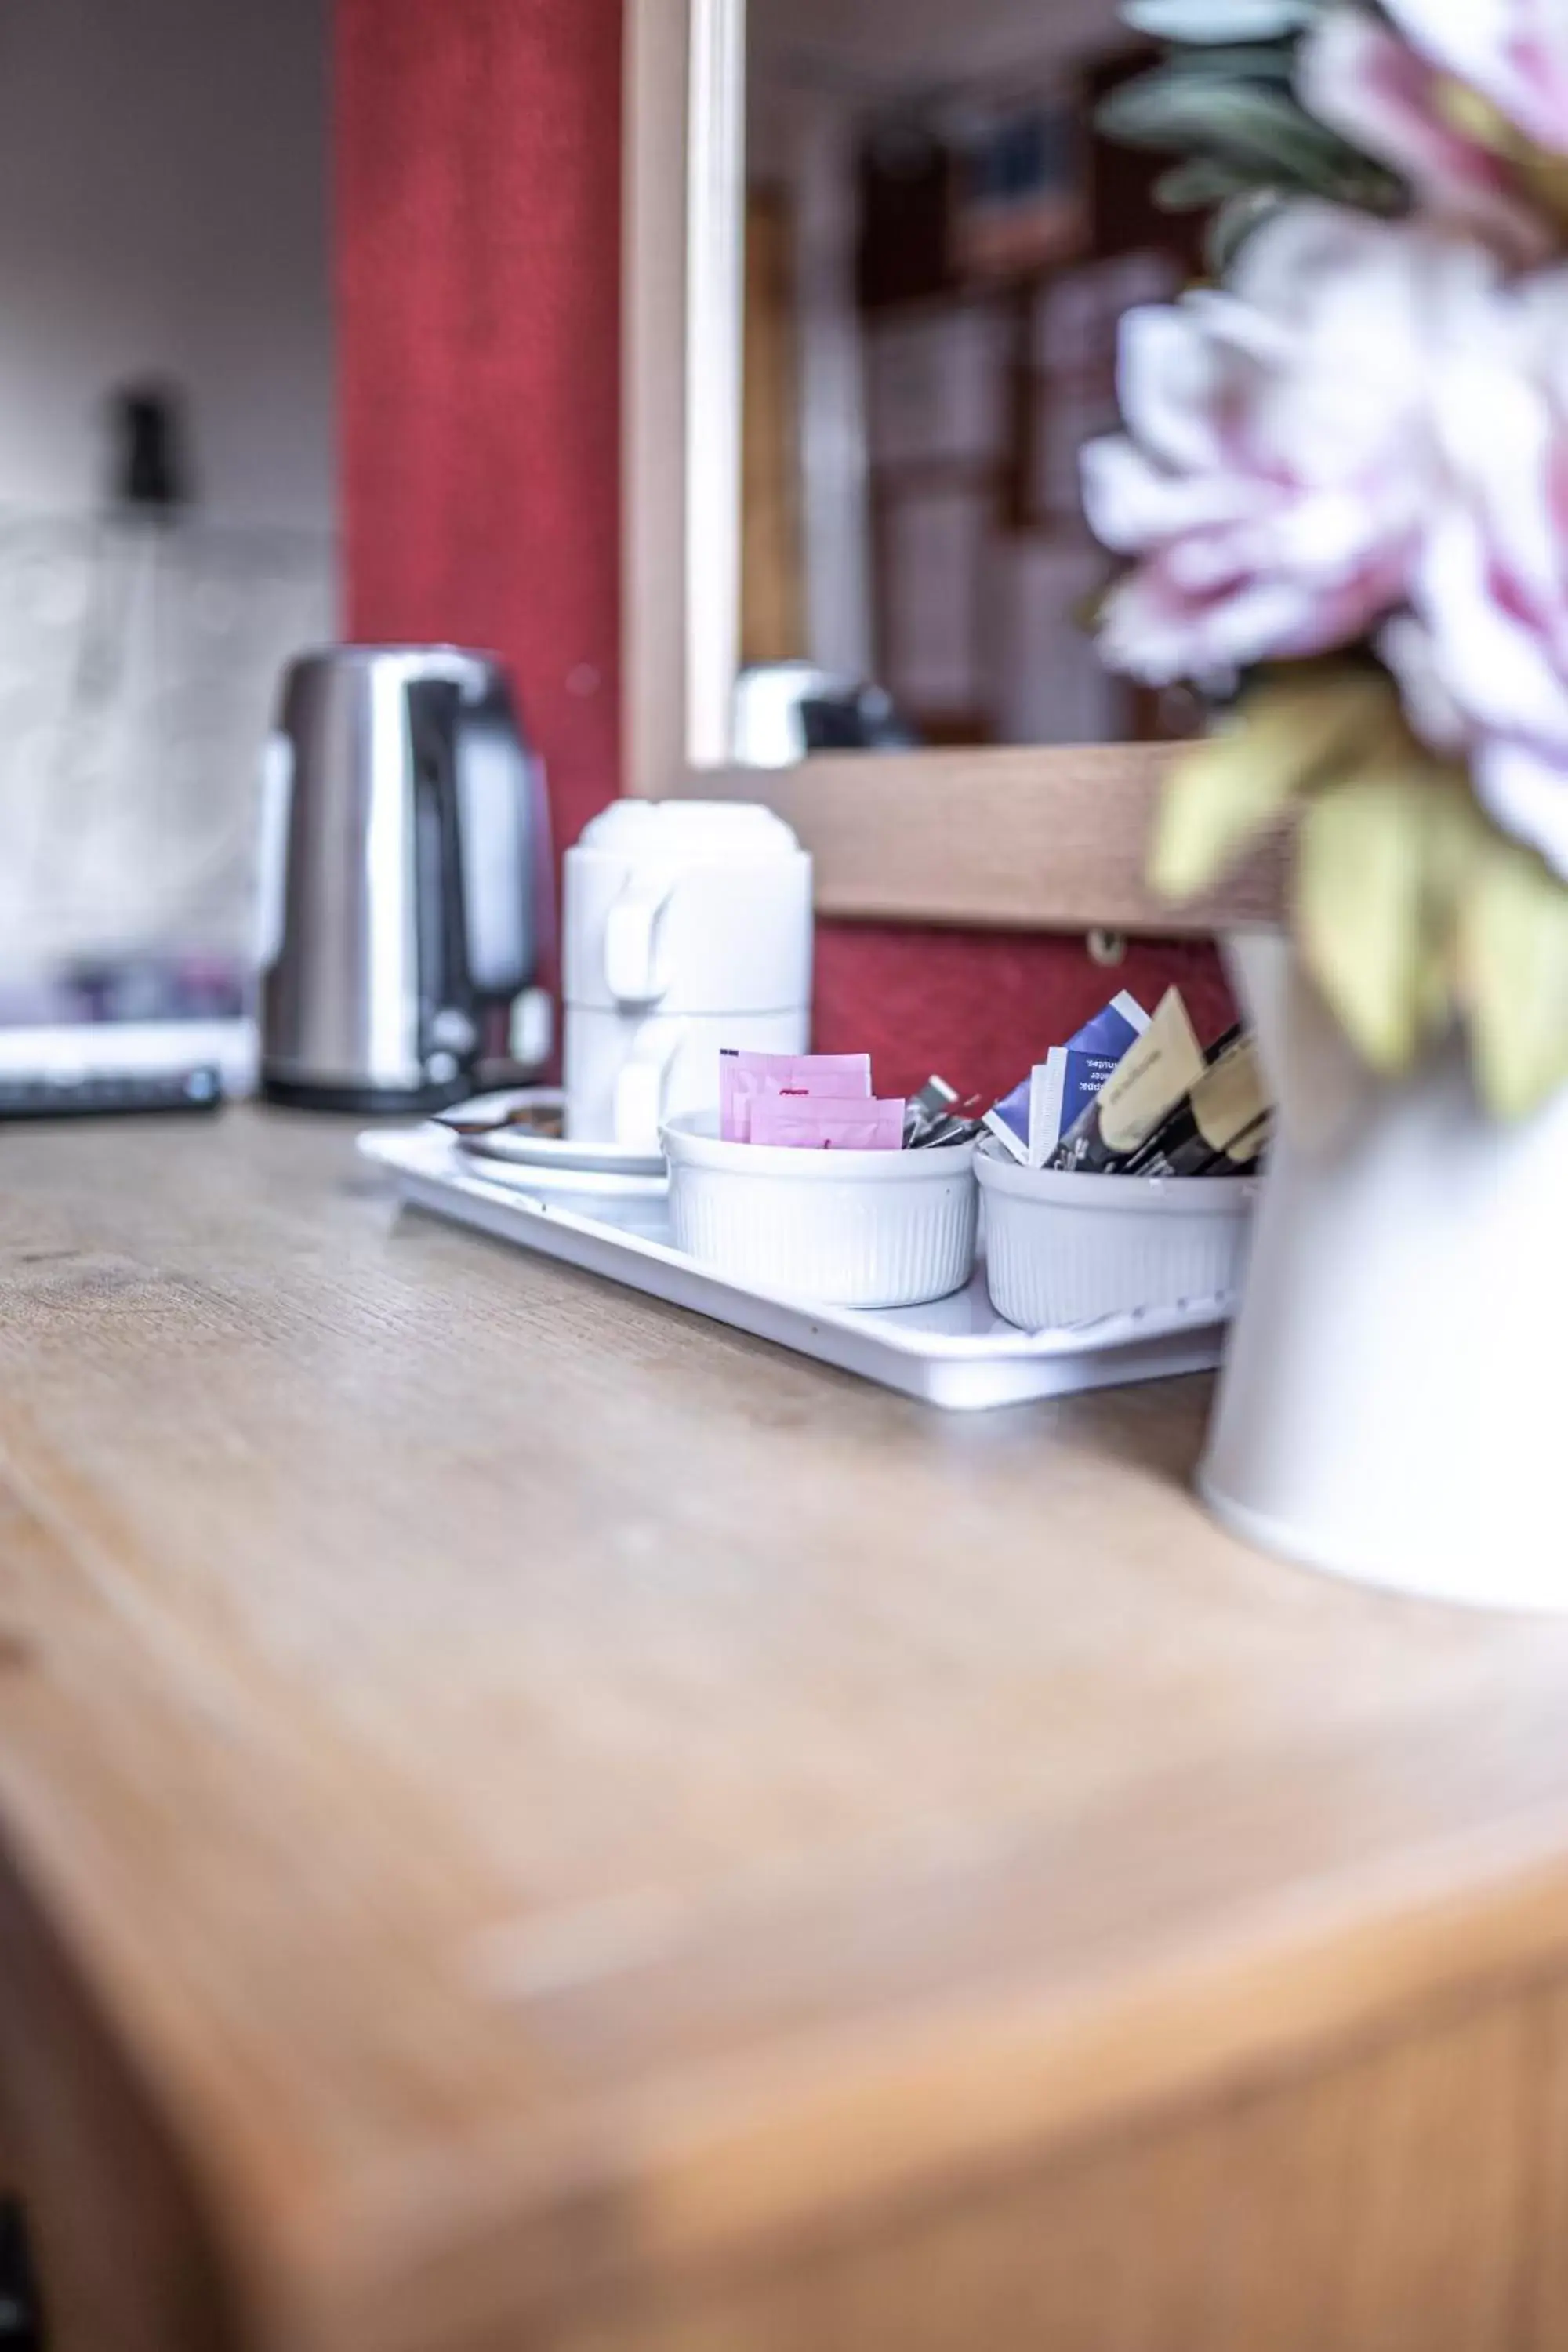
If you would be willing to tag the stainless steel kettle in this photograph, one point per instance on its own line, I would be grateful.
(405, 875)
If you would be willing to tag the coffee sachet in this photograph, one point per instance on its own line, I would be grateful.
(1157, 1072)
(1220, 1128)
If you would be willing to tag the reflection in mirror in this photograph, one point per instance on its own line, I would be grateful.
(938, 249)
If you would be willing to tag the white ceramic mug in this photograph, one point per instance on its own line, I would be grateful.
(687, 927)
(626, 1075)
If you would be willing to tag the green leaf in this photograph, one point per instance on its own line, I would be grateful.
(1270, 67)
(1192, 186)
(1381, 854)
(1513, 974)
(1232, 789)
(1234, 223)
(1262, 131)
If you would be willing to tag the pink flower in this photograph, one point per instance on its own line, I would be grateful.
(1515, 52)
(1281, 462)
(1398, 103)
(1483, 660)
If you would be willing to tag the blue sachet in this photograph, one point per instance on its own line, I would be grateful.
(1069, 1079)
(1031, 1121)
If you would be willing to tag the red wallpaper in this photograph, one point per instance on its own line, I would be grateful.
(477, 161)
(981, 1008)
(478, 192)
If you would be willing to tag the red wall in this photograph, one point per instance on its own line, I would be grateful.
(478, 194)
(981, 1007)
(477, 160)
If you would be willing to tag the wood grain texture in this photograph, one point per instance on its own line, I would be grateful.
(1543, 2319)
(553, 1807)
(1051, 838)
(114, 2228)
(1380, 2204)
(773, 581)
(654, 572)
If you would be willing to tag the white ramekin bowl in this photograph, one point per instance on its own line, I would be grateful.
(849, 1228)
(1063, 1249)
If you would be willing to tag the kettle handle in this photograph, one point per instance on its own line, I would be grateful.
(509, 868)
(445, 982)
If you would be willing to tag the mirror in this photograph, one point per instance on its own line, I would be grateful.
(938, 251)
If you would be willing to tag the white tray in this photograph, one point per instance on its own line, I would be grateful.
(958, 1353)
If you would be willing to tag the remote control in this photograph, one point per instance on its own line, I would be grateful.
(105, 1094)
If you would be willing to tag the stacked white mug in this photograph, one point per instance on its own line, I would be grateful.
(689, 929)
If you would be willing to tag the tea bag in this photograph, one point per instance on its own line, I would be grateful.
(1217, 1130)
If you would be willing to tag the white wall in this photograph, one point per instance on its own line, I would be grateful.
(163, 208)
(163, 213)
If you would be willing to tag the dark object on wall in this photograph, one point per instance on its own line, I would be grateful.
(859, 718)
(1020, 192)
(152, 449)
(21, 2324)
(906, 215)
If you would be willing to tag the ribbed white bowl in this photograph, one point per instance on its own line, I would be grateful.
(1064, 1249)
(850, 1228)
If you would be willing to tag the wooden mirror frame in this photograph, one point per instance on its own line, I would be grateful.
(1023, 838)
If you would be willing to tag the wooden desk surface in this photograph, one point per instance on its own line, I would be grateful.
(528, 1817)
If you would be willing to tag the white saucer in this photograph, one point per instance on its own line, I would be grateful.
(551, 1159)
(593, 1189)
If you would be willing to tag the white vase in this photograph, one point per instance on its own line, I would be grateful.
(1394, 1407)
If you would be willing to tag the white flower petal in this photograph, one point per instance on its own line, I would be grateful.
(1240, 327)
(1132, 505)
(1284, 461)
(1169, 375)
(1405, 645)
(1272, 620)
(1203, 563)
(1145, 633)
(1326, 534)
(1287, 263)
(1514, 51)
(1358, 76)
(1497, 434)
(1526, 791)
(1152, 631)
(1497, 668)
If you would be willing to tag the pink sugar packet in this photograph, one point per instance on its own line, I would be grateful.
(821, 1123)
(742, 1077)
